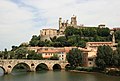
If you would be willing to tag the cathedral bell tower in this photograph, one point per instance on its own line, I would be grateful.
(73, 21)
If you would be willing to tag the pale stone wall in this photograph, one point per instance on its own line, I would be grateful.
(8, 65)
(48, 32)
(95, 45)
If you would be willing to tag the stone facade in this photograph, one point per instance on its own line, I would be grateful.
(95, 45)
(64, 24)
(48, 52)
(31, 65)
(49, 33)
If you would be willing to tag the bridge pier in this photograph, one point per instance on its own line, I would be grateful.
(7, 71)
(30, 65)
(32, 69)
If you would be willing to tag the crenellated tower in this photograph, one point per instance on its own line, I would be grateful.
(64, 24)
(73, 21)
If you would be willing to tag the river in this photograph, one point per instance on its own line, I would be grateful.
(56, 76)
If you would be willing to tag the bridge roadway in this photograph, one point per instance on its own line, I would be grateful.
(8, 64)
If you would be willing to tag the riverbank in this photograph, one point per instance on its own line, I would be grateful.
(111, 73)
(80, 71)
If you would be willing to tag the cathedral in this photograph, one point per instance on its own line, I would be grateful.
(50, 33)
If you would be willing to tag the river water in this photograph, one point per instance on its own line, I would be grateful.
(57, 76)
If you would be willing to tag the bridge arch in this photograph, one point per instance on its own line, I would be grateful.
(3, 69)
(67, 66)
(56, 67)
(41, 66)
(21, 65)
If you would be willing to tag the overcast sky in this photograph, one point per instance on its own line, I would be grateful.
(20, 19)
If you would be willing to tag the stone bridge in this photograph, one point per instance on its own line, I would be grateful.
(8, 65)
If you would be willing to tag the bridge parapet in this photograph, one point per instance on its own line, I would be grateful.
(9, 64)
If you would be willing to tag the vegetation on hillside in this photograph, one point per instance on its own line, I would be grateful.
(76, 37)
(20, 53)
(73, 37)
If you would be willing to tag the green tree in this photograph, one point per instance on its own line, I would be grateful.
(104, 32)
(81, 44)
(74, 57)
(115, 59)
(24, 45)
(34, 56)
(1, 54)
(54, 57)
(73, 40)
(21, 52)
(14, 48)
(118, 55)
(62, 40)
(34, 41)
(104, 57)
(117, 35)
(119, 44)
(53, 39)
(11, 54)
(6, 54)
(41, 43)
(100, 58)
(69, 31)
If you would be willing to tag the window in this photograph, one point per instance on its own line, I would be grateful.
(90, 63)
(46, 48)
(90, 59)
(45, 32)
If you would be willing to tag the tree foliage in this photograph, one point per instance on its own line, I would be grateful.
(117, 35)
(54, 57)
(74, 37)
(21, 52)
(74, 57)
(106, 57)
(104, 32)
(35, 40)
(34, 56)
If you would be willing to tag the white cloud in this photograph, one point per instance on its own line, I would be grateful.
(89, 12)
(16, 25)
(20, 19)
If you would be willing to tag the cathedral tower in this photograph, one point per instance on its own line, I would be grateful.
(73, 21)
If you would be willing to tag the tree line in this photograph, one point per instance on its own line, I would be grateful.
(76, 37)
(24, 53)
(106, 57)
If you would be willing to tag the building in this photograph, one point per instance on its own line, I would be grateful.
(48, 52)
(64, 24)
(115, 29)
(101, 26)
(50, 33)
(95, 45)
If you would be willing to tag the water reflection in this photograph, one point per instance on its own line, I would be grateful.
(1, 72)
(57, 76)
